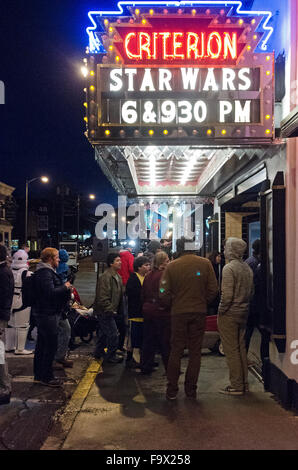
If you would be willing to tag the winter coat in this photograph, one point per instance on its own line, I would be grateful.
(237, 286)
(51, 293)
(109, 294)
(6, 291)
(63, 269)
(150, 295)
(127, 260)
(189, 284)
(134, 296)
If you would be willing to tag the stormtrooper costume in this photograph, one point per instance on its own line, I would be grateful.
(18, 326)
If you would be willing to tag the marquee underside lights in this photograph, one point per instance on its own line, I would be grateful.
(179, 71)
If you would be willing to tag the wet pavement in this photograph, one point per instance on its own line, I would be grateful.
(111, 408)
(27, 421)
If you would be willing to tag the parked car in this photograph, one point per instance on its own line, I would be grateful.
(211, 337)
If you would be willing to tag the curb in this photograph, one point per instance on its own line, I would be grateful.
(65, 418)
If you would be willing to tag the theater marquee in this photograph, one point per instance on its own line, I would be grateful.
(158, 74)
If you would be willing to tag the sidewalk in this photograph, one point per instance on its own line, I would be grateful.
(127, 411)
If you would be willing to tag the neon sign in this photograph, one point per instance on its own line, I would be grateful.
(175, 70)
(233, 6)
(172, 46)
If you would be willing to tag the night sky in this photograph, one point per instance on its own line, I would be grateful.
(42, 44)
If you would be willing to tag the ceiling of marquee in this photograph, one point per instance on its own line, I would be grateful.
(173, 170)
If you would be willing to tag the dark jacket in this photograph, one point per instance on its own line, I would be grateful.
(6, 291)
(150, 296)
(109, 294)
(134, 299)
(51, 293)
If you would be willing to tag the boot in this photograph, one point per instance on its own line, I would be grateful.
(10, 339)
(21, 335)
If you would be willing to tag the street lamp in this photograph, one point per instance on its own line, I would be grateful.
(43, 179)
(92, 197)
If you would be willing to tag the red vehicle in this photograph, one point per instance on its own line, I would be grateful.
(211, 337)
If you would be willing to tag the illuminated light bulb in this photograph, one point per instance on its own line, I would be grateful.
(92, 73)
(255, 36)
(106, 22)
(223, 132)
(85, 90)
(86, 105)
(92, 88)
(267, 57)
(151, 12)
(85, 119)
(84, 71)
(253, 21)
(241, 21)
(207, 12)
(165, 131)
(137, 11)
(107, 132)
(248, 48)
(151, 132)
(268, 72)
(180, 11)
(209, 131)
(110, 29)
(117, 58)
(193, 12)
(267, 116)
(144, 21)
(111, 48)
(222, 12)
(268, 131)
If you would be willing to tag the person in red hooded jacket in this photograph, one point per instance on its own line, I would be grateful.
(127, 260)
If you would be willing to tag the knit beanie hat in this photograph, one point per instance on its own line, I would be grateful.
(19, 260)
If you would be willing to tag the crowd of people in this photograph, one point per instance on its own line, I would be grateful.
(148, 305)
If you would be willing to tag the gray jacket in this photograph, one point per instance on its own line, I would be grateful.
(237, 282)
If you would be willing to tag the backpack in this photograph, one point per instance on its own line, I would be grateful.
(28, 291)
(19, 278)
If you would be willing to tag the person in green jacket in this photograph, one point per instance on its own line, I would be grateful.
(107, 306)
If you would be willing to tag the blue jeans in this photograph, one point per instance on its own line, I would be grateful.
(64, 334)
(107, 337)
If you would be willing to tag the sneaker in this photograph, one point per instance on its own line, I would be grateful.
(5, 399)
(56, 383)
(231, 391)
(66, 363)
(24, 352)
(171, 395)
